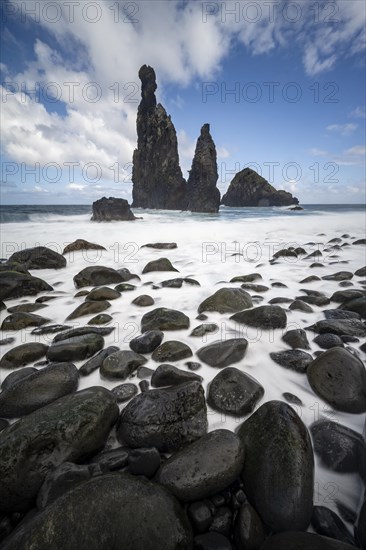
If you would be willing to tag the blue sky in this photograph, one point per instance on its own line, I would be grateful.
(281, 83)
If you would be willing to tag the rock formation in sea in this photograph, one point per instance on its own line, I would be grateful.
(106, 210)
(202, 193)
(248, 188)
(157, 178)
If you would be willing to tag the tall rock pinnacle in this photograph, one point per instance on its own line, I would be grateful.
(157, 178)
(202, 193)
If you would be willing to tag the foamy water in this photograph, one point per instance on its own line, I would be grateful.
(212, 250)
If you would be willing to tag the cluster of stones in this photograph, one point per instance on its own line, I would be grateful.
(77, 472)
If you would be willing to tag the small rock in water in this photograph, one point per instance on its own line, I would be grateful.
(22, 355)
(296, 338)
(39, 257)
(203, 329)
(102, 293)
(168, 375)
(227, 300)
(75, 348)
(192, 365)
(160, 246)
(125, 287)
(89, 308)
(293, 399)
(223, 353)
(101, 319)
(81, 244)
(294, 359)
(162, 264)
(96, 361)
(124, 392)
(26, 308)
(147, 342)
(144, 385)
(143, 301)
(172, 350)
(164, 319)
(234, 392)
(328, 341)
(121, 364)
(265, 317)
(19, 321)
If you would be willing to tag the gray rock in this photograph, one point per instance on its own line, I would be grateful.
(223, 353)
(69, 429)
(122, 512)
(124, 392)
(89, 308)
(161, 246)
(249, 529)
(143, 301)
(361, 272)
(15, 376)
(38, 389)
(121, 364)
(234, 392)
(339, 448)
(125, 287)
(26, 308)
(328, 341)
(39, 257)
(340, 276)
(254, 287)
(19, 321)
(81, 244)
(102, 293)
(111, 460)
(203, 468)
(167, 419)
(162, 264)
(212, 541)
(250, 278)
(171, 350)
(60, 480)
(303, 541)
(75, 348)
(291, 398)
(144, 462)
(82, 331)
(278, 470)
(265, 317)
(147, 342)
(100, 319)
(340, 314)
(50, 329)
(300, 305)
(203, 329)
(227, 300)
(163, 318)
(96, 361)
(341, 296)
(97, 275)
(168, 375)
(358, 305)
(351, 327)
(339, 378)
(112, 209)
(22, 355)
(296, 338)
(314, 300)
(293, 359)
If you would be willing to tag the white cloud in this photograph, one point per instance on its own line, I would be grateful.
(317, 152)
(343, 129)
(359, 112)
(357, 150)
(76, 186)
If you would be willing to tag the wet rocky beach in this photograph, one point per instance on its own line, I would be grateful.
(166, 392)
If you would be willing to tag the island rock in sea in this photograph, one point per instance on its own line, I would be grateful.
(157, 178)
(106, 210)
(202, 193)
(248, 188)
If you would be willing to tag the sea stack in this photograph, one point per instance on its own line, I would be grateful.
(202, 193)
(248, 188)
(157, 178)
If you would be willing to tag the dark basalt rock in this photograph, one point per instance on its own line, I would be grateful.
(296, 338)
(123, 511)
(26, 308)
(124, 392)
(89, 308)
(39, 257)
(147, 342)
(163, 318)
(294, 359)
(162, 264)
(82, 331)
(50, 329)
(361, 272)
(250, 278)
(342, 296)
(358, 305)
(340, 326)
(172, 350)
(200, 516)
(278, 470)
(168, 375)
(125, 287)
(69, 429)
(75, 348)
(360, 529)
(339, 378)
(249, 529)
(212, 541)
(328, 341)
(22, 355)
(143, 301)
(249, 189)
(339, 448)
(202, 193)
(203, 468)
(227, 300)
(340, 314)
(144, 462)
(266, 317)
(38, 389)
(60, 480)
(161, 246)
(96, 361)
(254, 287)
(156, 175)
(291, 398)
(102, 293)
(81, 244)
(326, 522)
(106, 210)
(167, 419)
(234, 392)
(121, 364)
(303, 541)
(111, 460)
(205, 328)
(100, 319)
(223, 353)
(339, 276)
(19, 321)
(97, 275)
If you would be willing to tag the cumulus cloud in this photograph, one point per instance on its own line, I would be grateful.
(343, 129)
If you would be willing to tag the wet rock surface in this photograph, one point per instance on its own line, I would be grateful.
(223, 353)
(112, 209)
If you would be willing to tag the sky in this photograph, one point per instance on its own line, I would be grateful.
(281, 83)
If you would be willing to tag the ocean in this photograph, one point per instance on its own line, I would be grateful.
(211, 249)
